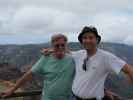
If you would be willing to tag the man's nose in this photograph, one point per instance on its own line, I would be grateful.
(87, 40)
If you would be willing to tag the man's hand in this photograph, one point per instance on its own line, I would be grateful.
(108, 94)
(7, 92)
(26, 77)
(46, 51)
(128, 69)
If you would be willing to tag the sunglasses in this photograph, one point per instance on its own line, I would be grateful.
(59, 46)
(84, 64)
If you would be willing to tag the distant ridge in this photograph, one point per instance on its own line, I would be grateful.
(23, 55)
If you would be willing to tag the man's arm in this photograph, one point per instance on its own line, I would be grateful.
(47, 51)
(26, 77)
(128, 69)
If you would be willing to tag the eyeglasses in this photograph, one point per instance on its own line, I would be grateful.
(59, 46)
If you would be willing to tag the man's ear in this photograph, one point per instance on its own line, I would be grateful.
(97, 40)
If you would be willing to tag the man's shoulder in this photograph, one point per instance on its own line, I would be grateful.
(68, 56)
(105, 53)
(43, 57)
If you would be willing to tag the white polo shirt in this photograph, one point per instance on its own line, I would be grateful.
(90, 83)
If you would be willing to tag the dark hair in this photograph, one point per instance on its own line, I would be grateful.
(89, 29)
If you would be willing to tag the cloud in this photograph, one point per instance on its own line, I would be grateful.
(114, 27)
(129, 40)
(32, 19)
(46, 17)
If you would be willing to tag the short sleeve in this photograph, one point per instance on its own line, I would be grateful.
(115, 64)
(37, 67)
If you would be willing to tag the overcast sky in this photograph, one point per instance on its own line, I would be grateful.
(34, 21)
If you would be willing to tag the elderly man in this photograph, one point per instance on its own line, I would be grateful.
(57, 70)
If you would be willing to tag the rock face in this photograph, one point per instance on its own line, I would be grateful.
(9, 72)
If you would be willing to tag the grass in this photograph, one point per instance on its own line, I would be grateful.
(1, 87)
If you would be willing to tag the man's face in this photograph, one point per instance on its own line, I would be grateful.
(59, 46)
(89, 41)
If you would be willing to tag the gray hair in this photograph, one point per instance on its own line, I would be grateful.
(58, 36)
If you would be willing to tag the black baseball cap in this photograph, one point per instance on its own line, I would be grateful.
(88, 29)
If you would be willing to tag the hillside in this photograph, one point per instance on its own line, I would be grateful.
(23, 56)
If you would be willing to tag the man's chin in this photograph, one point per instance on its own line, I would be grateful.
(60, 52)
(60, 56)
(87, 48)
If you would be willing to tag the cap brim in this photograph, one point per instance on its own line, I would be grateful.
(80, 37)
(81, 34)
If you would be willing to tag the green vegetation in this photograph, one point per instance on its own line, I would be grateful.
(1, 87)
(21, 55)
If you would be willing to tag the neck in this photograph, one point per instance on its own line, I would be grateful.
(58, 56)
(91, 52)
